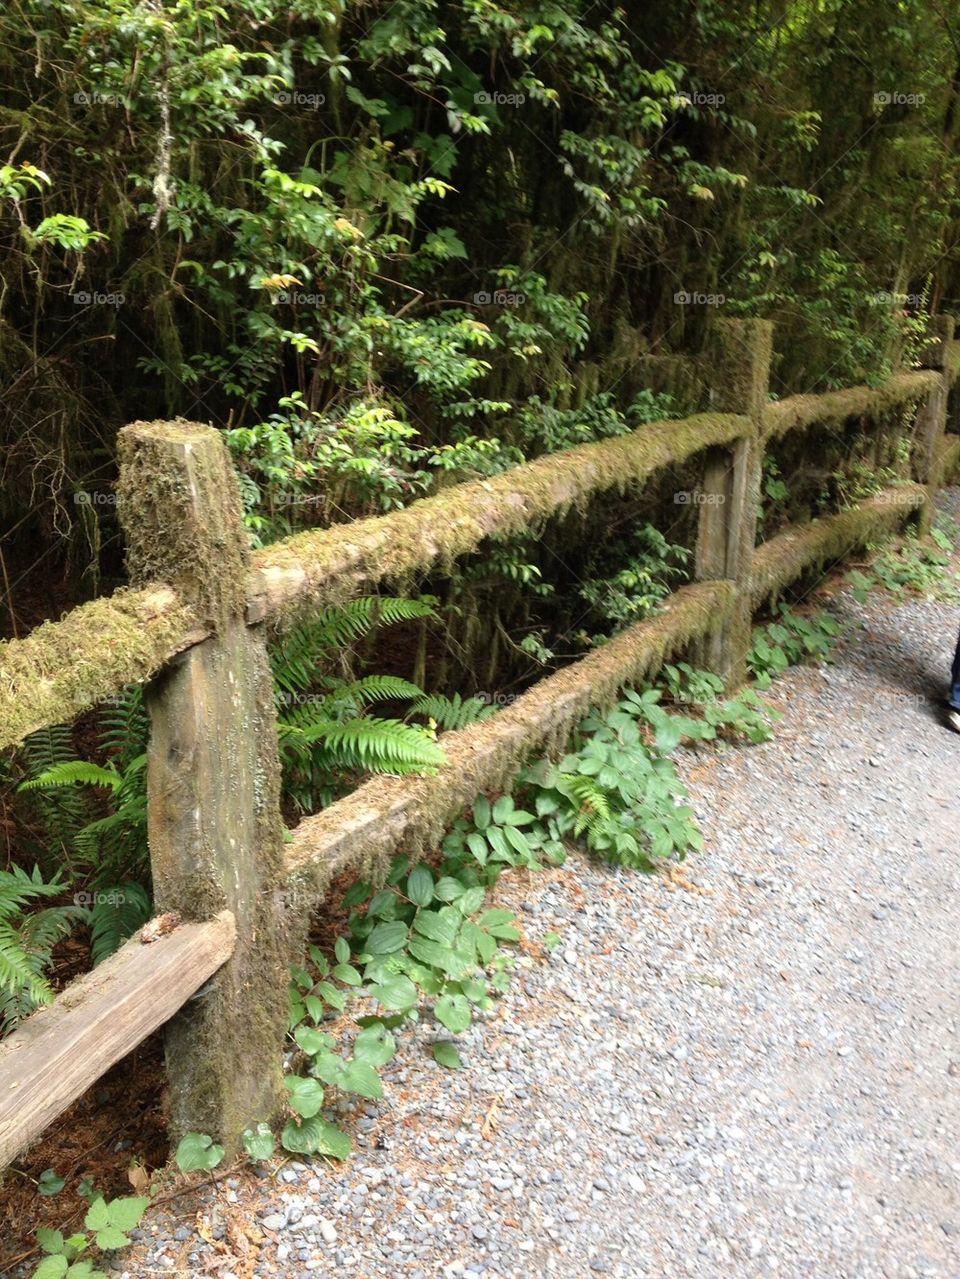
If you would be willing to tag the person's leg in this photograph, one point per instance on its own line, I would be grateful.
(955, 680)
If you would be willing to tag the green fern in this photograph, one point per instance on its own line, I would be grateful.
(325, 733)
(75, 770)
(298, 655)
(116, 914)
(377, 745)
(451, 713)
(27, 941)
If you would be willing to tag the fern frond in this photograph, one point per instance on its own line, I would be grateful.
(376, 745)
(62, 811)
(75, 770)
(17, 887)
(126, 729)
(19, 978)
(116, 914)
(297, 658)
(451, 713)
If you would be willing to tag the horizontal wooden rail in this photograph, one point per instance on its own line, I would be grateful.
(797, 412)
(60, 1051)
(330, 564)
(64, 667)
(787, 556)
(948, 459)
(387, 814)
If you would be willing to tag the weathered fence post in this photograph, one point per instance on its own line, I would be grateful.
(738, 356)
(214, 824)
(931, 423)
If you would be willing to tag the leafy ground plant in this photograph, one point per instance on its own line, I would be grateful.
(789, 640)
(915, 567)
(107, 1228)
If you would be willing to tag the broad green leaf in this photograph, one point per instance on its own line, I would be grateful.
(386, 938)
(381, 904)
(496, 915)
(315, 1137)
(51, 1268)
(397, 992)
(481, 813)
(446, 1054)
(331, 995)
(259, 1142)
(420, 886)
(342, 951)
(50, 1183)
(196, 1153)
(472, 900)
(438, 926)
(348, 975)
(356, 894)
(454, 1012)
(375, 1046)
(361, 1078)
(126, 1212)
(111, 1237)
(478, 846)
(448, 889)
(50, 1240)
(312, 1041)
(452, 962)
(498, 843)
(306, 1095)
(502, 809)
(98, 1218)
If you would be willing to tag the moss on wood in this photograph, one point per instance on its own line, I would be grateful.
(389, 815)
(64, 667)
(199, 548)
(948, 461)
(738, 356)
(800, 411)
(328, 565)
(823, 543)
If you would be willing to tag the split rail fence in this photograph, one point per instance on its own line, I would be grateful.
(193, 626)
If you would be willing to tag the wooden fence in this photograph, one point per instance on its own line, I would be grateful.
(193, 629)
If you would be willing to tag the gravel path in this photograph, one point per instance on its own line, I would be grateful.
(749, 1070)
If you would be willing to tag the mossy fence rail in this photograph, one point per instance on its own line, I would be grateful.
(193, 626)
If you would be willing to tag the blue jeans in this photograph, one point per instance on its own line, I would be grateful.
(955, 680)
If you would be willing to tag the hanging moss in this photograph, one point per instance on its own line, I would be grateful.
(362, 832)
(62, 668)
(825, 542)
(326, 566)
(801, 411)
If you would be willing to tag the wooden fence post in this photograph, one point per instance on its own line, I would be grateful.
(738, 356)
(931, 424)
(214, 825)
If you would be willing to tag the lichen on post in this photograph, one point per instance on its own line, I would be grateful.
(213, 779)
(738, 354)
(931, 424)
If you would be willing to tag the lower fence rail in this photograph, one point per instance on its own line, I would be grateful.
(60, 1051)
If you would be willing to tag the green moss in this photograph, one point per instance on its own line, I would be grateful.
(801, 411)
(62, 668)
(738, 354)
(328, 565)
(823, 543)
(179, 503)
(362, 832)
(948, 461)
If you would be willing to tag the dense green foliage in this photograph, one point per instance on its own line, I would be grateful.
(391, 243)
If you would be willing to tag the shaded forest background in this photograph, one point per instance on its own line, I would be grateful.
(390, 245)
